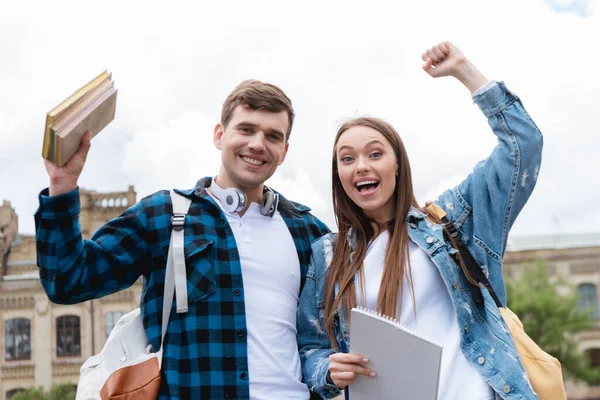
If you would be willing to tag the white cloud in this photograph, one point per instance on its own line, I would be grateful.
(581, 8)
(172, 156)
(433, 193)
(174, 65)
(300, 187)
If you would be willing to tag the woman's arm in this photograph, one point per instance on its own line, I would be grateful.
(447, 60)
(323, 370)
(313, 341)
(485, 205)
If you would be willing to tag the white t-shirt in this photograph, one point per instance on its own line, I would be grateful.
(436, 318)
(271, 276)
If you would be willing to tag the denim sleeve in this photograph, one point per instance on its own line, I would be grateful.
(73, 270)
(486, 204)
(313, 341)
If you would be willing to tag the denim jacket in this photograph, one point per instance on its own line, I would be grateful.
(483, 207)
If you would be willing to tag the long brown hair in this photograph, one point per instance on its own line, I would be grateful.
(348, 215)
(348, 261)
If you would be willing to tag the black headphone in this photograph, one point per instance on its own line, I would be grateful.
(234, 199)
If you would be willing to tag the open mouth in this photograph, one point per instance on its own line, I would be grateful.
(253, 161)
(367, 186)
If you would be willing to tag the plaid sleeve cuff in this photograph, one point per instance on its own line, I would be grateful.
(495, 99)
(66, 204)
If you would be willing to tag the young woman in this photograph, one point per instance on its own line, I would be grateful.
(389, 257)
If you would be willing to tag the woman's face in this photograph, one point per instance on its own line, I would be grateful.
(367, 167)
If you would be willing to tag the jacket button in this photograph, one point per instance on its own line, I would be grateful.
(430, 240)
(455, 284)
(240, 333)
(481, 360)
(237, 292)
(466, 329)
(506, 389)
(243, 375)
(413, 225)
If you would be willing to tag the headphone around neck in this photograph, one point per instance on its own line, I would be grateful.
(234, 199)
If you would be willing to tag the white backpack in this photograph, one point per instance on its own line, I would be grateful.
(126, 367)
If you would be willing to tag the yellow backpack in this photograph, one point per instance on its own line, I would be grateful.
(543, 370)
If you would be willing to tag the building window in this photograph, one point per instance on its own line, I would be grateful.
(594, 355)
(18, 339)
(68, 341)
(110, 320)
(11, 393)
(588, 299)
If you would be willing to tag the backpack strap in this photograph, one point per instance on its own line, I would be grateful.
(471, 264)
(180, 208)
(176, 277)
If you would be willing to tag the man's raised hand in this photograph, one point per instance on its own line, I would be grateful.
(64, 179)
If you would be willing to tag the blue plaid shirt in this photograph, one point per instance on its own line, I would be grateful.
(205, 354)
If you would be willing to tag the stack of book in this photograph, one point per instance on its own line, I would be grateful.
(90, 108)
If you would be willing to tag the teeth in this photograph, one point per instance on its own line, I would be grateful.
(359, 184)
(252, 161)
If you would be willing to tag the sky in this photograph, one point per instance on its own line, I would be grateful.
(174, 64)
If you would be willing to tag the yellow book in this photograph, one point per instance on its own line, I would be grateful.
(77, 107)
(62, 107)
(94, 117)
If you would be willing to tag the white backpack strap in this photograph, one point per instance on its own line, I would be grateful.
(175, 276)
(180, 208)
(168, 293)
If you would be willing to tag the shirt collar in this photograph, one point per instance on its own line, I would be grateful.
(413, 214)
(285, 206)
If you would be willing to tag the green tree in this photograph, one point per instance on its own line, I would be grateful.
(57, 392)
(550, 313)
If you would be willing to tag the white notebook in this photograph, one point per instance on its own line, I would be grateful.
(407, 365)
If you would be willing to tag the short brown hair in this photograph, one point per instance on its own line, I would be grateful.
(257, 95)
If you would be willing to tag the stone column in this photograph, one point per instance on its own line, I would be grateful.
(42, 341)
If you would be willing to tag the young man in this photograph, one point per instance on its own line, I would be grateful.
(245, 265)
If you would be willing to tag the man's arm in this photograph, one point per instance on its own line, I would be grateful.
(73, 270)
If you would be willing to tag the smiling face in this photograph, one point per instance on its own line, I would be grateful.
(253, 144)
(367, 168)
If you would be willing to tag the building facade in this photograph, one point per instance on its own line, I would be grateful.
(42, 343)
(576, 259)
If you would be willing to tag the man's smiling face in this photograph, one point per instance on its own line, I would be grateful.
(253, 145)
